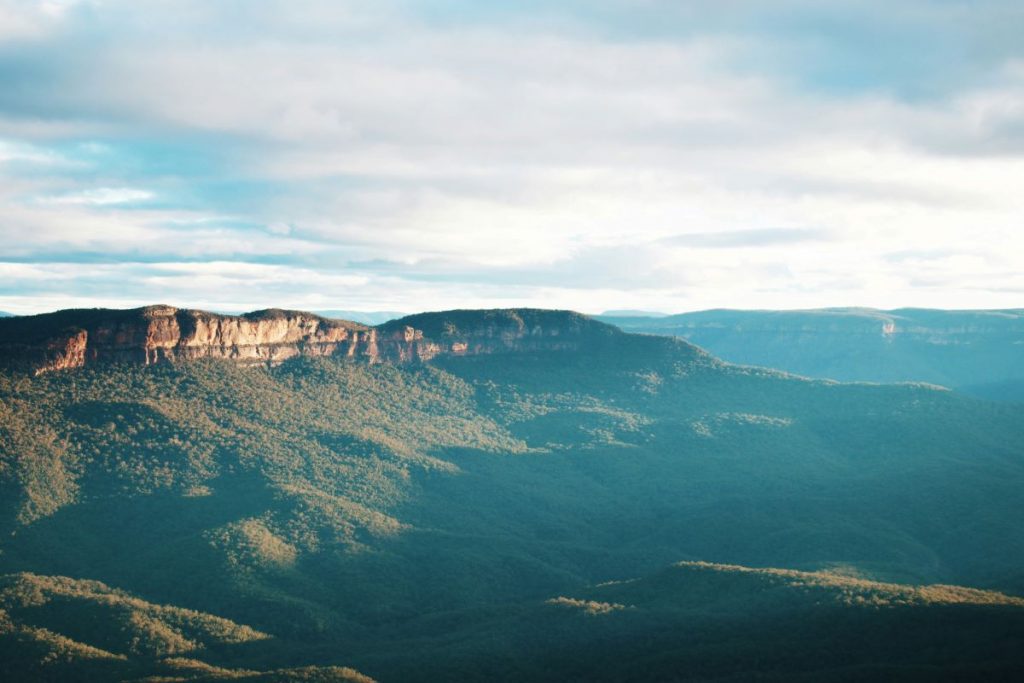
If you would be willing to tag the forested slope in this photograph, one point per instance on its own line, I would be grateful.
(388, 516)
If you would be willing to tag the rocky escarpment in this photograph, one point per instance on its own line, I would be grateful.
(155, 334)
(476, 332)
(73, 338)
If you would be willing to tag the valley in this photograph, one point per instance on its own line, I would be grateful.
(502, 495)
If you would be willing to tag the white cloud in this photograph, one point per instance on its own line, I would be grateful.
(11, 150)
(27, 19)
(515, 163)
(102, 196)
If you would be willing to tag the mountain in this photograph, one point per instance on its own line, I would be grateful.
(977, 352)
(73, 338)
(45, 618)
(409, 514)
(77, 337)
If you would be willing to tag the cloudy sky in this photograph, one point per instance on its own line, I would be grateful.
(589, 154)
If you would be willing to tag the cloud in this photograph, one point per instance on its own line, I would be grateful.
(13, 151)
(746, 238)
(102, 196)
(27, 20)
(637, 153)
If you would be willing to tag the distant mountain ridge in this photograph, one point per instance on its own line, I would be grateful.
(980, 352)
(364, 317)
(632, 313)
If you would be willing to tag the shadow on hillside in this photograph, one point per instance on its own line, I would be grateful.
(147, 544)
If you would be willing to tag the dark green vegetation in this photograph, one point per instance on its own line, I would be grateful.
(46, 619)
(453, 520)
(977, 352)
(696, 621)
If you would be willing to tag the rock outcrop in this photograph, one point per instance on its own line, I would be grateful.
(74, 338)
(155, 334)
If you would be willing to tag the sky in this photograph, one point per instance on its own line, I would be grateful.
(662, 155)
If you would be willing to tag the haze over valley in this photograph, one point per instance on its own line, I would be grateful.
(980, 353)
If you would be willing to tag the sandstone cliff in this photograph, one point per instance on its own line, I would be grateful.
(476, 332)
(154, 334)
(68, 339)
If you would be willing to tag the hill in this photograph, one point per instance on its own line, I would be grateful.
(376, 512)
(712, 622)
(56, 628)
(978, 352)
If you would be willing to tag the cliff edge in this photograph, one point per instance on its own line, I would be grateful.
(78, 337)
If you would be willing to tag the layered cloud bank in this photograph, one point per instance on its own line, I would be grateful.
(596, 155)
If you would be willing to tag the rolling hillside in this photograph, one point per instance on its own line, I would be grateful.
(712, 622)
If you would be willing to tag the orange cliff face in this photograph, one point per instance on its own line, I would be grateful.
(71, 339)
(155, 334)
(264, 336)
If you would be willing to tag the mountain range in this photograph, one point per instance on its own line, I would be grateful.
(977, 352)
(513, 494)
